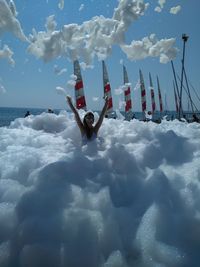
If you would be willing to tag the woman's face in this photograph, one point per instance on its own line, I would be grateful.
(89, 119)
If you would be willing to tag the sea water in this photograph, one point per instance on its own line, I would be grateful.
(9, 114)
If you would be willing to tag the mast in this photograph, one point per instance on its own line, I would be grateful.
(143, 93)
(166, 104)
(184, 38)
(174, 73)
(175, 97)
(127, 96)
(188, 90)
(79, 91)
(176, 90)
(107, 89)
(159, 96)
(153, 103)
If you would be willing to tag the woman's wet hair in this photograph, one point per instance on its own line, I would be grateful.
(89, 113)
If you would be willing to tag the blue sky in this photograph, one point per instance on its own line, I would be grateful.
(32, 82)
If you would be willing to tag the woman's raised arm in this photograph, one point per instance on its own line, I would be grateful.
(77, 117)
(101, 117)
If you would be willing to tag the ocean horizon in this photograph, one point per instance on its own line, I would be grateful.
(9, 114)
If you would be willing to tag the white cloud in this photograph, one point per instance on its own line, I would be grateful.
(94, 37)
(81, 7)
(73, 77)
(13, 8)
(175, 10)
(151, 47)
(161, 3)
(158, 9)
(85, 66)
(61, 4)
(7, 53)
(8, 21)
(2, 89)
(71, 83)
(59, 71)
(61, 91)
(50, 24)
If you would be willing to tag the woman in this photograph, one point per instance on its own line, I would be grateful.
(88, 131)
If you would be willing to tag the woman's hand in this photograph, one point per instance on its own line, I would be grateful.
(77, 118)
